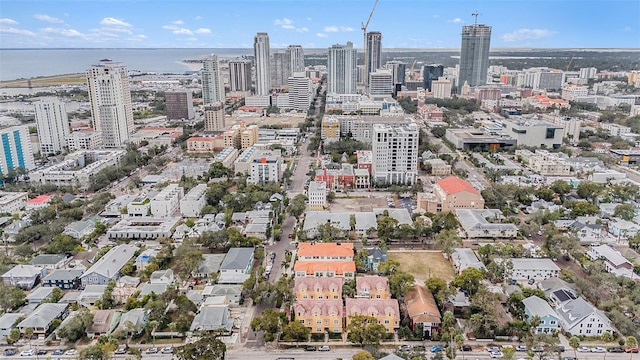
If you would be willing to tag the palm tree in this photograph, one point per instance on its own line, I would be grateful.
(631, 342)
(28, 333)
(574, 342)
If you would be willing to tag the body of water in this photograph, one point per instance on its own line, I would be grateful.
(27, 63)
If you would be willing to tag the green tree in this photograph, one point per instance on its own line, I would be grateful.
(469, 280)
(574, 342)
(270, 322)
(11, 297)
(363, 355)
(56, 295)
(508, 353)
(624, 211)
(365, 330)
(187, 258)
(448, 240)
(399, 283)
(582, 208)
(13, 336)
(297, 205)
(295, 331)
(207, 347)
(589, 190)
(75, 328)
(561, 187)
(631, 342)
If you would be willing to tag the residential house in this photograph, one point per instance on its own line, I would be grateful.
(162, 277)
(318, 251)
(457, 303)
(372, 287)
(23, 276)
(49, 261)
(374, 258)
(108, 267)
(578, 317)
(364, 222)
(42, 318)
(210, 265)
(537, 269)
(144, 258)
(133, 321)
(557, 291)
(312, 288)
(400, 214)
(463, 258)
(63, 278)
(212, 318)
(449, 194)
(549, 321)
(613, 260)
(148, 288)
(319, 315)
(386, 311)
(80, 229)
(342, 269)
(70, 297)
(475, 225)
(232, 292)
(237, 265)
(623, 229)
(422, 310)
(39, 295)
(91, 294)
(587, 233)
(325, 260)
(7, 322)
(10, 231)
(313, 219)
(104, 323)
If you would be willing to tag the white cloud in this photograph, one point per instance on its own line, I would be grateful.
(109, 21)
(283, 22)
(331, 29)
(11, 30)
(456, 20)
(302, 29)
(527, 34)
(203, 31)
(183, 31)
(8, 21)
(178, 22)
(140, 36)
(198, 17)
(170, 27)
(47, 18)
(322, 35)
(346, 28)
(63, 32)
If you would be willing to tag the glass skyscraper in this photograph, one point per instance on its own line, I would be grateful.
(474, 55)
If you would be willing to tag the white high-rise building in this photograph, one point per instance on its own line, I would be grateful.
(588, 73)
(212, 82)
(373, 54)
(296, 57)
(381, 82)
(341, 69)
(111, 110)
(441, 88)
(240, 75)
(300, 91)
(262, 55)
(395, 153)
(16, 151)
(53, 126)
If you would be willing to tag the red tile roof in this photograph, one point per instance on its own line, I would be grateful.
(421, 306)
(337, 267)
(324, 249)
(39, 199)
(453, 185)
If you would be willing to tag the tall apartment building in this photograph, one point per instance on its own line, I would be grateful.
(240, 75)
(265, 168)
(431, 73)
(179, 104)
(280, 68)
(341, 69)
(192, 203)
(381, 82)
(317, 194)
(395, 153)
(16, 151)
(214, 117)
(398, 69)
(373, 54)
(588, 73)
(296, 57)
(84, 140)
(53, 126)
(111, 110)
(300, 91)
(167, 201)
(262, 55)
(474, 54)
(212, 82)
(441, 88)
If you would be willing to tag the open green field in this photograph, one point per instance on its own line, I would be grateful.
(423, 264)
(66, 79)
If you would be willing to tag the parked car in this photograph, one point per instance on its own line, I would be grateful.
(310, 348)
(153, 350)
(537, 349)
(121, 350)
(615, 350)
(26, 353)
(466, 348)
(522, 348)
(167, 350)
(569, 358)
(598, 349)
(70, 352)
(436, 348)
(558, 348)
(58, 352)
(492, 348)
(41, 352)
(9, 352)
(404, 348)
(631, 350)
(583, 349)
(496, 355)
(324, 348)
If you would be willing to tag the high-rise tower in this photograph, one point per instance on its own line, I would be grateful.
(431, 73)
(240, 75)
(296, 58)
(212, 83)
(111, 110)
(373, 59)
(262, 54)
(53, 126)
(341, 69)
(474, 54)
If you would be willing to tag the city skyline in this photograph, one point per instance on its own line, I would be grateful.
(170, 23)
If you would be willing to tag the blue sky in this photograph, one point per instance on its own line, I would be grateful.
(315, 24)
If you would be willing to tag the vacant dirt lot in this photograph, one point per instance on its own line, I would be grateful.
(423, 264)
(358, 203)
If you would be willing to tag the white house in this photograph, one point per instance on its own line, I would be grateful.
(623, 229)
(614, 262)
(578, 317)
(237, 265)
(192, 203)
(475, 224)
(537, 269)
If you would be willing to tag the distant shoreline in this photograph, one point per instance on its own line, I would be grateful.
(45, 81)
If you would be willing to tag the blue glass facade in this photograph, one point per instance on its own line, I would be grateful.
(16, 137)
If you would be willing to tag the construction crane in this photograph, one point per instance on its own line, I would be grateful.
(570, 61)
(411, 74)
(364, 26)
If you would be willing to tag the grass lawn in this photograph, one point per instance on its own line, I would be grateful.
(423, 264)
